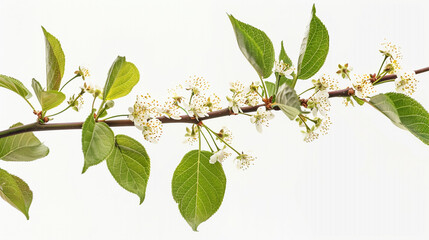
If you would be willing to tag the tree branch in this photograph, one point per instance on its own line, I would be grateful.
(36, 126)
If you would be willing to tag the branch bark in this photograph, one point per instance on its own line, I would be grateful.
(36, 126)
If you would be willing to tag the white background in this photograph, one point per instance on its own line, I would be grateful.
(367, 179)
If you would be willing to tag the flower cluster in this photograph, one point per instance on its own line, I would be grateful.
(243, 95)
(261, 118)
(283, 69)
(363, 86)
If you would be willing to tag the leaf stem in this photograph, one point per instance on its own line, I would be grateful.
(29, 104)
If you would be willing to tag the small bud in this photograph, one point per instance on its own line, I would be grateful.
(110, 104)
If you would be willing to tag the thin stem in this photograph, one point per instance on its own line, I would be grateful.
(69, 81)
(263, 86)
(211, 136)
(93, 102)
(295, 79)
(277, 83)
(222, 140)
(71, 104)
(211, 149)
(307, 90)
(379, 70)
(303, 120)
(120, 115)
(199, 139)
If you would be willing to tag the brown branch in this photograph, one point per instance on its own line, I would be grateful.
(34, 127)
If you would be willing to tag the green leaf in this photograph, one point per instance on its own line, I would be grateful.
(283, 56)
(314, 48)
(288, 101)
(271, 88)
(122, 77)
(404, 112)
(47, 99)
(14, 85)
(22, 147)
(55, 61)
(129, 164)
(98, 141)
(358, 100)
(198, 187)
(256, 47)
(16, 192)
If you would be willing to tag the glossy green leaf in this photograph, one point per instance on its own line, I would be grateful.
(55, 61)
(314, 48)
(404, 112)
(129, 164)
(16, 192)
(271, 88)
(98, 141)
(22, 147)
(122, 77)
(14, 85)
(256, 47)
(198, 187)
(288, 101)
(47, 99)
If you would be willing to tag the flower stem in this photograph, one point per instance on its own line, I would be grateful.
(306, 91)
(69, 81)
(263, 87)
(71, 104)
(120, 115)
(222, 140)
(379, 70)
(206, 140)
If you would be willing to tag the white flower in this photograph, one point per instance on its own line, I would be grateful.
(198, 107)
(236, 87)
(310, 135)
(197, 85)
(319, 102)
(219, 156)
(192, 134)
(391, 50)
(225, 134)
(83, 72)
(243, 161)
(76, 104)
(235, 103)
(213, 103)
(92, 88)
(177, 93)
(144, 108)
(261, 118)
(406, 82)
(170, 109)
(363, 86)
(284, 69)
(252, 98)
(152, 130)
(326, 82)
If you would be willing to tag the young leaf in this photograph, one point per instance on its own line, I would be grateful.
(55, 61)
(129, 164)
(97, 142)
(16, 192)
(288, 101)
(404, 112)
(122, 77)
(256, 47)
(283, 56)
(198, 187)
(271, 88)
(314, 48)
(14, 85)
(47, 99)
(22, 147)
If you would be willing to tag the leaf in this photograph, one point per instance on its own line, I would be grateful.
(129, 164)
(283, 56)
(55, 61)
(271, 88)
(314, 48)
(14, 85)
(198, 187)
(122, 77)
(404, 112)
(22, 147)
(256, 47)
(358, 100)
(47, 99)
(288, 101)
(16, 192)
(97, 142)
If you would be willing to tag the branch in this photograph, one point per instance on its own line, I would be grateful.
(34, 127)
